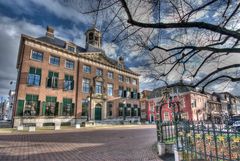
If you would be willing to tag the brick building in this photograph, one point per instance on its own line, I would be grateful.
(59, 81)
(147, 114)
(187, 101)
(214, 110)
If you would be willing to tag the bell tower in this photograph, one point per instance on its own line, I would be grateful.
(93, 38)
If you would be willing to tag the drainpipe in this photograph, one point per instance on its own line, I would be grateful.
(76, 99)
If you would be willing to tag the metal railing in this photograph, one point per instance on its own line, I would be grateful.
(207, 141)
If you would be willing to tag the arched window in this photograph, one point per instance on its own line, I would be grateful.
(90, 36)
(96, 38)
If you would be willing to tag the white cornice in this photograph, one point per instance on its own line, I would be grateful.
(82, 59)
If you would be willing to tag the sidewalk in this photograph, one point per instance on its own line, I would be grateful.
(63, 129)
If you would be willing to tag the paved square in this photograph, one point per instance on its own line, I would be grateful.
(105, 144)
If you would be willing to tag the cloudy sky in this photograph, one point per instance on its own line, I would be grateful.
(32, 16)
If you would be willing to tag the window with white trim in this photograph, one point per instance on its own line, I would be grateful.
(36, 55)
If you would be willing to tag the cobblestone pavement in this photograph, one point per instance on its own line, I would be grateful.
(110, 144)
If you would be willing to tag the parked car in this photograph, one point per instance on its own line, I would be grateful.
(236, 126)
(233, 119)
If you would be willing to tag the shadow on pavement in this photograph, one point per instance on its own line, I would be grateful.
(168, 157)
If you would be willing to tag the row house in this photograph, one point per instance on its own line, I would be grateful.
(192, 105)
(214, 110)
(181, 99)
(238, 105)
(222, 106)
(61, 81)
(228, 103)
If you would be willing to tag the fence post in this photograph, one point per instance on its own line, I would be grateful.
(178, 151)
(178, 155)
(160, 143)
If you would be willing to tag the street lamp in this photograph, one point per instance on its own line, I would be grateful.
(89, 99)
(160, 105)
(124, 109)
(88, 102)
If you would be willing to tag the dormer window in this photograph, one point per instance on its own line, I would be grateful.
(71, 47)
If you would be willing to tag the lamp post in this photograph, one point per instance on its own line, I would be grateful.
(89, 98)
(88, 102)
(124, 109)
(159, 122)
(175, 104)
(160, 106)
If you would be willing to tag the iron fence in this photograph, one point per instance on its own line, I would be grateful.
(207, 141)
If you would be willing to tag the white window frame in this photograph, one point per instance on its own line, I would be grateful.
(111, 76)
(164, 116)
(109, 86)
(134, 81)
(68, 45)
(36, 59)
(69, 61)
(55, 57)
(86, 67)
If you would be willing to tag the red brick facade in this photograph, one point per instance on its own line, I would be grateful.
(190, 104)
(75, 96)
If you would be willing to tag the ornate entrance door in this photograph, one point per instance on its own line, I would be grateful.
(98, 112)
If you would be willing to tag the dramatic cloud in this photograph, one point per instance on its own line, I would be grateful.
(11, 30)
(32, 16)
(10, 33)
(58, 8)
(110, 50)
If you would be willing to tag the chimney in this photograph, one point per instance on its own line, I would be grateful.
(50, 32)
(121, 62)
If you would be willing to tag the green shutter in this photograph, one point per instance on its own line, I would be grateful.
(38, 71)
(64, 101)
(56, 109)
(28, 97)
(35, 98)
(71, 78)
(72, 85)
(66, 77)
(43, 108)
(49, 82)
(67, 101)
(20, 107)
(32, 70)
(56, 83)
(51, 99)
(72, 110)
(48, 99)
(38, 108)
(56, 75)
(132, 112)
(50, 74)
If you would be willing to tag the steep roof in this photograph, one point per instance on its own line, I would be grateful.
(58, 42)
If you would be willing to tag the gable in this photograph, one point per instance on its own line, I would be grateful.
(101, 58)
